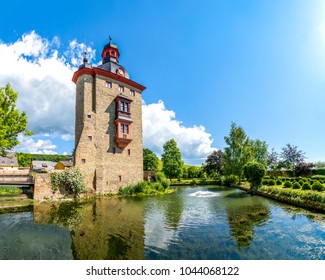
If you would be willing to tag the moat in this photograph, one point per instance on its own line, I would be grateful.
(192, 223)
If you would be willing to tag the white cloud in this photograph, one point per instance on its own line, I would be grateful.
(67, 137)
(160, 125)
(42, 76)
(75, 53)
(43, 79)
(29, 145)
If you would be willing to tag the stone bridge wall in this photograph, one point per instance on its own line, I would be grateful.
(15, 177)
(43, 188)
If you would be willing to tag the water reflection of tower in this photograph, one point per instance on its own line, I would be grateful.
(103, 229)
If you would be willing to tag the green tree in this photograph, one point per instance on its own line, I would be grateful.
(238, 152)
(260, 153)
(172, 160)
(24, 159)
(184, 172)
(150, 160)
(254, 172)
(12, 122)
(193, 172)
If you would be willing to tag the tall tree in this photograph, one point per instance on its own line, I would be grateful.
(213, 163)
(291, 155)
(150, 160)
(239, 151)
(272, 161)
(260, 151)
(12, 122)
(172, 160)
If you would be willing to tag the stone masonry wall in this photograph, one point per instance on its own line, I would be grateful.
(43, 189)
(104, 171)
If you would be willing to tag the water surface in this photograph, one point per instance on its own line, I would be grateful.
(192, 223)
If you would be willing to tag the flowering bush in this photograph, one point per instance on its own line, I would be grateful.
(70, 179)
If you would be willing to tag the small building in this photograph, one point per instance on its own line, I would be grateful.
(9, 162)
(149, 175)
(42, 165)
(61, 165)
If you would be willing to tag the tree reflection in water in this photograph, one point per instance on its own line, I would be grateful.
(244, 213)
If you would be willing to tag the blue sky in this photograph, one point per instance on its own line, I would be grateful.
(260, 64)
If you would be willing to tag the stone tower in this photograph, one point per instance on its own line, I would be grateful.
(108, 130)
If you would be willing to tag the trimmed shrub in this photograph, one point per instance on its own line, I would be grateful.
(317, 186)
(296, 185)
(254, 172)
(301, 182)
(278, 182)
(287, 184)
(265, 182)
(306, 186)
(271, 182)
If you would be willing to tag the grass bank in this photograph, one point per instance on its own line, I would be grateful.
(146, 189)
(194, 182)
(308, 199)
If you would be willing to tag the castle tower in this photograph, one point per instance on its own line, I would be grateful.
(108, 129)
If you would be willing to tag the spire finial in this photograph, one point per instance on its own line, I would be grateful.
(85, 59)
(110, 39)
